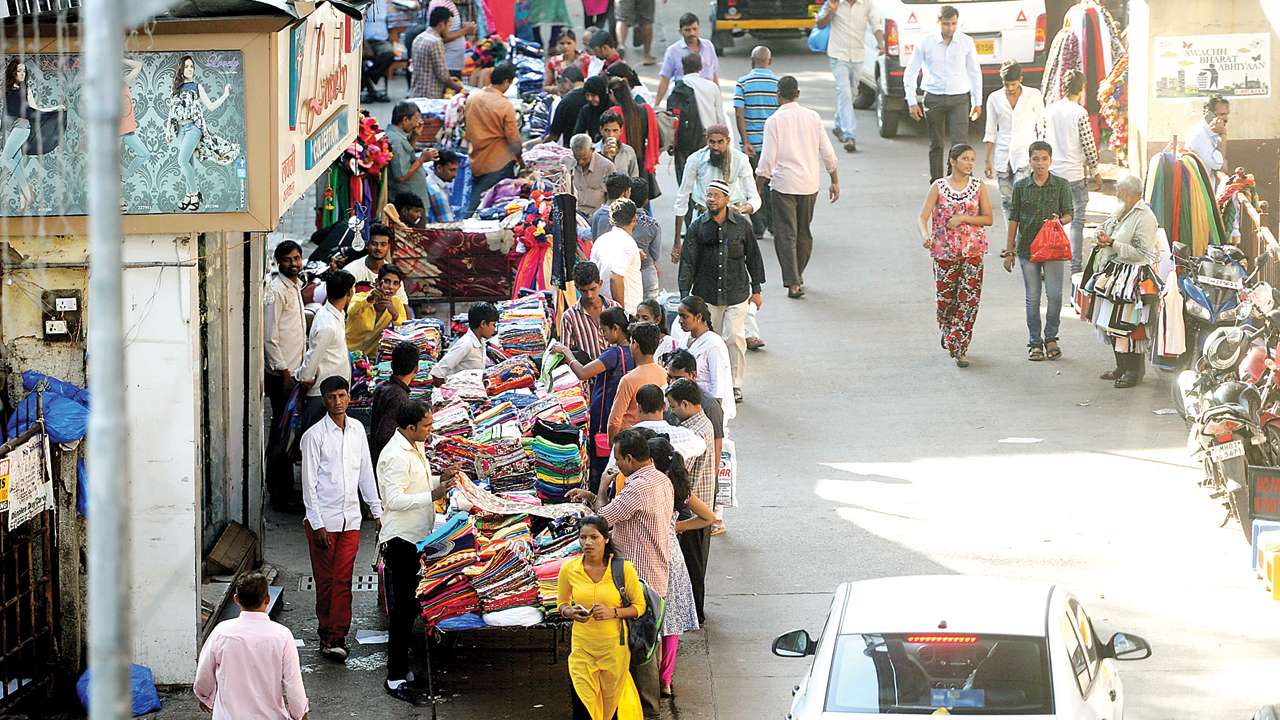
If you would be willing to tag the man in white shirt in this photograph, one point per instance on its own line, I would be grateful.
(719, 160)
(1075, 155)
(284, 330)
(327, 344)
(336, 474)
(365, 269)
(707, 93)
(952, 86)
(468, 351)
(249, 667)
(846, 50)
(1208, 139)
(796, 150)
(409, 492)
(1015, 119)
(618, 258)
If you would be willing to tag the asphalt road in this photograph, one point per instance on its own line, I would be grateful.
(864, 452)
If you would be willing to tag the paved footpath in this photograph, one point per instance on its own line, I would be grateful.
(866, 453)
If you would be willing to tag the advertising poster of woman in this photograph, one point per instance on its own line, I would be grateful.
(30, 129)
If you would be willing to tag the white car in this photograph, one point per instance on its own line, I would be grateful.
(1001, 30)
(959, 645)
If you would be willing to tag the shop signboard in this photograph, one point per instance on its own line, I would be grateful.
(1198, 66)
(1264, 489)
(181, 138)
(30, 491)
(320, 57)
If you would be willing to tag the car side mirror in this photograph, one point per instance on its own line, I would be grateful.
(796, 643)
(1123, 646)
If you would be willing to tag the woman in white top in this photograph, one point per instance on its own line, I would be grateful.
(707, 346)
(650, 311)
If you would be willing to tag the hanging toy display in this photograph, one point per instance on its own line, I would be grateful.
(1239, 189)
(1090, 41)
(1180, 192)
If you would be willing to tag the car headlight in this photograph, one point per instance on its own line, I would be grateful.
(1196, 310)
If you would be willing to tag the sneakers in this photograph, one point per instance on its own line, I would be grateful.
(402, 691)
(336, 652)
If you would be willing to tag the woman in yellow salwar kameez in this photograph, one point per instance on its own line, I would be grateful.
(600, 665)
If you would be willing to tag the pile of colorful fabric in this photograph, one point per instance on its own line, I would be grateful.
(465, 386)
(548, 574)
(448, 450)
(524, 325)
(547, 409)
(484, 54)
(426, 333)
(498, 414)
(419, 387)
(453, 419)
(362, 381)
(568, 391)
(513, 374)
(518, 398)
(507, 465)
(444, 591)
(1180, 192)
(558, 468)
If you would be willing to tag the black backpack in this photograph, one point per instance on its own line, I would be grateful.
(643, 634)
(683, 105)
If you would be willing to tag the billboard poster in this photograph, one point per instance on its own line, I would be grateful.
(181, 135)
(1198, 66)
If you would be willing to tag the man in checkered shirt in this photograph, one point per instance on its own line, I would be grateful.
(684, 397)
(641, 517)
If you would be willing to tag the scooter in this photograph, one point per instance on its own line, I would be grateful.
(1211, 286)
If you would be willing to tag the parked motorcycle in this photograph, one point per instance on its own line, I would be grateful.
(1231, 429)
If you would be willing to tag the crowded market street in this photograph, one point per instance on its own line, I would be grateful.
(864, 452)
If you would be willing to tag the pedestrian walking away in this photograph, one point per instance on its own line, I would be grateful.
(755, 99)
(796, 150)
(390, 396)
(493, 133)
(684, 398)
(952, 86)
(284, 332)
(409, 490)
(1126, 240)
(248, 666)
(1040, 197)
(846, 50)
(952, 226)
(599, 665)
(1015, 119)
(618, 257)
(337, 473)
(327, 354)
(1075, 155)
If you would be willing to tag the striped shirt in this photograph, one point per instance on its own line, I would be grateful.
(705, 469)
(756, 95)
(641, 518)
(581, 332)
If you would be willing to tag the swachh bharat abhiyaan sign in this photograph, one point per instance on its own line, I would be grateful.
(1234, 66)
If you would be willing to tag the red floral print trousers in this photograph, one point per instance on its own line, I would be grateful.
(959, 287)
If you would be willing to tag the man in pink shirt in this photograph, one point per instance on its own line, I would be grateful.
(795, 151)
(249, 665)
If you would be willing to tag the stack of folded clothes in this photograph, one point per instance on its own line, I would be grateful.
(497, 414)
(466, 385)
(513, 374)
(523, 326)
(506, 465)
(547, 408)
(548, 574)
(449, 450)
(519, 398)
(558, 468)
(444, 590)
(507, 579)
(426, 333)
(451, 420)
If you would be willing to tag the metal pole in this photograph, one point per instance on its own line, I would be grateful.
(110, 569)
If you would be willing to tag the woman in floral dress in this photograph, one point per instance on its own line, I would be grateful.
(186, 125)
(951, 225)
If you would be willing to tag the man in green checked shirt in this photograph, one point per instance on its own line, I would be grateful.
(1038, 198)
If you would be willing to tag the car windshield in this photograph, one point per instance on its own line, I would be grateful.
(916, 674)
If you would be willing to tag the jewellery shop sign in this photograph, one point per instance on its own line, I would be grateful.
(319, 62)
(25, 488)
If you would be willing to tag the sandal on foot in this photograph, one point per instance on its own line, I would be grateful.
(1035, 353)
(962, 361)
(1051, 350)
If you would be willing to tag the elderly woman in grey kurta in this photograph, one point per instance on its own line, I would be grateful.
(1128, 236)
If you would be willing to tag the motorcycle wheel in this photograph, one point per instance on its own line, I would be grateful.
(1237, 470)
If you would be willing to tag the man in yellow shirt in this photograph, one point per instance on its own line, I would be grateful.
(370, 313)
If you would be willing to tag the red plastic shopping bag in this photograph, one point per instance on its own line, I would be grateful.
(1051, 243)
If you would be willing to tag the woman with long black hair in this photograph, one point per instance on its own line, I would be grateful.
(186, 125)
(600, 665)
(952, 228)
(640, 122)
(715, 374)
(30, 129)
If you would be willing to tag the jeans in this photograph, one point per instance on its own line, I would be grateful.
(649, 276)
(188, 141)
(846, 75)
(1049, 276)
(947, 117)
(14, 160)
(141, 155)
(481, 184)
(1006, 178)
(1080, 205)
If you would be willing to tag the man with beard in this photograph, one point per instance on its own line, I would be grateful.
(719, 160)
(285, 333)
(722, 265)
(365, 270)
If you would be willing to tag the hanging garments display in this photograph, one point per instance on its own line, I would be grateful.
(1090, 41)
(1171, 335)
(1180, 192)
